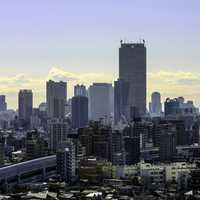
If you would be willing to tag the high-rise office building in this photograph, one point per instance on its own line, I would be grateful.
(80, 90)
(132, 68)
(132, 150)
(56, 99)
(79, 111)
(121, 92)
(100, 101)
(25, 105)
(35, 121)
(155, 105)
(66, 162)
(178, 106)
(3, 104)
(58, 130)
(168, 145)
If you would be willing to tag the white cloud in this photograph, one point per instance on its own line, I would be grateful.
(169, 83)
(177, 77)
(12, 84)
(58, 74)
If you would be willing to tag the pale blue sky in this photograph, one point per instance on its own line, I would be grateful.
(83, 35)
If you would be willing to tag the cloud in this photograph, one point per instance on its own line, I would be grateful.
(175, 83)
(188, 81)
(20, 81)
(177, 77)
(11, 85)
(168, 83)
(59, 74)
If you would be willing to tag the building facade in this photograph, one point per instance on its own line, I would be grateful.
(100, 101)
(80, 90)
(132, 68)
(79, 111)
(58, 131)
(66, 162)
(25, 105)
(155, 107)
(3, 104)
(56, 98)
(121, 96)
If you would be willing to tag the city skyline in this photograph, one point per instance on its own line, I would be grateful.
(48, 40)
(13, 85)
(99, 99)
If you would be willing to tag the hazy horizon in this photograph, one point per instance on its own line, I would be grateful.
(78, 41)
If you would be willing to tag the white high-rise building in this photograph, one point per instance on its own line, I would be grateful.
(56, 98)
(100, 101)
(155, 107)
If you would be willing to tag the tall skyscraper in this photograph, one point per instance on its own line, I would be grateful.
(25, 105)
(58, 131)
(156, 106)
(132, 68)
(56, 99)
(79, 111)
(66, 162)
(100, 101)
(3, 104)
(121, 92)
(80, 90)
(168, 145)
(132, 150)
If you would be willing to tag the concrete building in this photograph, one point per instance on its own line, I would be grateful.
(160, 174)
(79, 111)
(58, 131)
(56, 98)
(35, 121)
(36, 146)
(103, 143)
(132, 68)
(178, 107)
(3, 104)
(132, 150)
(174, 170)
(100, 101)
(66, 162)
(168, 145)
(116, 148)
(80, 90)
(152, 174)
(94, 170)
(25, 105)
(155, 107)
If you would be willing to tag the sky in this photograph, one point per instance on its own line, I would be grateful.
(78, 41)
